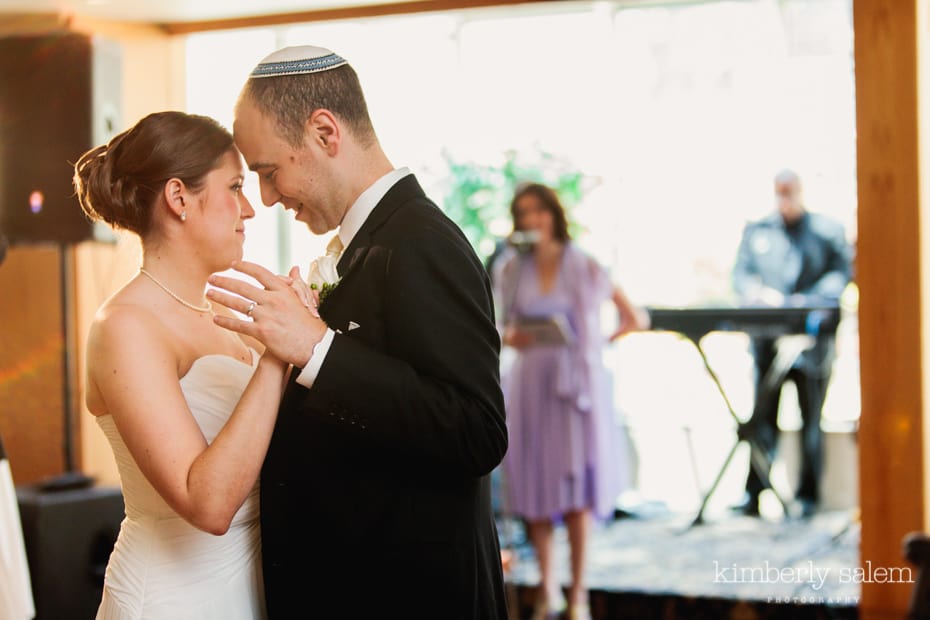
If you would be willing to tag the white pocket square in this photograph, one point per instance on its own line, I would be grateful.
(352, 325)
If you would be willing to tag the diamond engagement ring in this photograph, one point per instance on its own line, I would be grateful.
(248, 312)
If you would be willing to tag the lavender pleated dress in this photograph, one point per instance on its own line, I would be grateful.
(565, 450)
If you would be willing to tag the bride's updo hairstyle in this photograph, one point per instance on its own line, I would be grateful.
(119, 182)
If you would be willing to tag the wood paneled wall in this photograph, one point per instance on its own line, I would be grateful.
(31, 362)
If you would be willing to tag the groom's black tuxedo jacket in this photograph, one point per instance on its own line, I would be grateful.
(375, 495)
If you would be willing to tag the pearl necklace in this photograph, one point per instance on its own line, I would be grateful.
(207, 308)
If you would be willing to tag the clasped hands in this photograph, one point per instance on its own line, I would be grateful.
(284, 314)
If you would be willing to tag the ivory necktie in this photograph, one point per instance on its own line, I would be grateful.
(334, 247)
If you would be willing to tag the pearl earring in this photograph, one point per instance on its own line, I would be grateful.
(183, 216)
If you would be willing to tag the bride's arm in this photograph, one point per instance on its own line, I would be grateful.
(135, 370)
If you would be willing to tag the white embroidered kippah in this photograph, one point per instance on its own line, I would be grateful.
(297, 60)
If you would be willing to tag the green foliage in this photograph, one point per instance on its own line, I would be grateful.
(478, 195)
(325, 290)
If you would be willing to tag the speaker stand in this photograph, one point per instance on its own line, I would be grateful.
(71, 478)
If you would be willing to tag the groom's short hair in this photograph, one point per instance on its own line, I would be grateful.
(291, 99)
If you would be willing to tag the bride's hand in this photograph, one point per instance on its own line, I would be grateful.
(308, 297)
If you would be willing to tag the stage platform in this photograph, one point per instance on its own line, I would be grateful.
(653, 565)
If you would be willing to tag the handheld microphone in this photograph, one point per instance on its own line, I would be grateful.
(523, 240)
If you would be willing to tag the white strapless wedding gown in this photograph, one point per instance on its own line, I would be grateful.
(162, 567)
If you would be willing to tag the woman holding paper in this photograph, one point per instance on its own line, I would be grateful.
(564, 457)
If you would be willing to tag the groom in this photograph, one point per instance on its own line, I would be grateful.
(375, 492)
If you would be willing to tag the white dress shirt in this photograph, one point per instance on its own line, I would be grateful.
(352, 222)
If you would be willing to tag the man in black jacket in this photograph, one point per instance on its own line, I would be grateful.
(375, 492)
(797, 258)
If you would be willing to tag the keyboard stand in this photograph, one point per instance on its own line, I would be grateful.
(788, 350)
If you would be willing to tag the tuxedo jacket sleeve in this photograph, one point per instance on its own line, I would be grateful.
(419, 375)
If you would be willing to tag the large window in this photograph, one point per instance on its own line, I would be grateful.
(678, 116)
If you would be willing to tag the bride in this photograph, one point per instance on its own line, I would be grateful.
(188, 407)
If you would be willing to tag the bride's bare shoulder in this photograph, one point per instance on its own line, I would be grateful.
(125, 340)
(125, 321)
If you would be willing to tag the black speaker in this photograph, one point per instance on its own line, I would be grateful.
(69, 536)
(58, 98)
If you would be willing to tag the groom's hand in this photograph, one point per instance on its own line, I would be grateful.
(278, 318)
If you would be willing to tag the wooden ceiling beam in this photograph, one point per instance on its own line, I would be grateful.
(353, 12)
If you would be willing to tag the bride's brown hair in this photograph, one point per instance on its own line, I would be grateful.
(119, 182)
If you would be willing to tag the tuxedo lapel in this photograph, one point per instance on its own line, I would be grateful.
(351, 258)
(404, 190)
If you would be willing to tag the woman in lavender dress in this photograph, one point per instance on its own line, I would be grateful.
(564, 460)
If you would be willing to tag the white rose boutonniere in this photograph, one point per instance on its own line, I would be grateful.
(323, 275)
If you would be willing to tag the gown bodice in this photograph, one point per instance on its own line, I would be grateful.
(164, 568)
